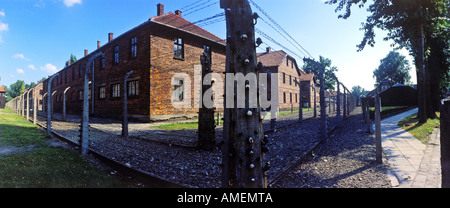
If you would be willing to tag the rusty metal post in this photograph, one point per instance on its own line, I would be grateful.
(125, 105)
(206, 126)
(244, 140)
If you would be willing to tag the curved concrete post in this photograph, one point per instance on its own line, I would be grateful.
(125, 105)
(28, 104)
(64, 104)
(35, 109)
(84, 141)
(49, 104)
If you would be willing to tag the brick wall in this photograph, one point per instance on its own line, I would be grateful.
(153, 67)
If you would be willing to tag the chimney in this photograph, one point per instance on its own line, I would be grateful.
(98, 44)
(268, 50)
(178, 12)
(86, 52)
(110, 37)
(160, 9)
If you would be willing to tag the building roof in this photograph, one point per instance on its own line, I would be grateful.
(176, 21)
(2, 89)
(274, 58)
(307, 77)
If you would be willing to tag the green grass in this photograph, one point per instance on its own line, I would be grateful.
(179, 126)
(49, 167)
(420, 131)
(387, 108)
(44, 166)
(16, 131)
(296, 111)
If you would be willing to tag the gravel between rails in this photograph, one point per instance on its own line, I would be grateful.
(347, 160)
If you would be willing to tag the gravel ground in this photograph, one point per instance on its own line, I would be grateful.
(159, 153)
(347, 160)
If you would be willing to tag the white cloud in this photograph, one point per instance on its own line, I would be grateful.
(70, 3)
(49, 68)
(31, 66)
(20, 71)
(2, 13)
(3, 27)
(20, 56)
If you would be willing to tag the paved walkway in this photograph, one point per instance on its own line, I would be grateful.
(414, 164)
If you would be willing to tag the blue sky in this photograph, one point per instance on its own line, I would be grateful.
(38, 36)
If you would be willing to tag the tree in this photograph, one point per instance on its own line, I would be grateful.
(358, 91)
(72, 59)
(394, 68)
(17, 88)
(329, 75)
(411, 24)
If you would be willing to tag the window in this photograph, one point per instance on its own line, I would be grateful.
(80, 72)
(115, 91)
(80, 95)
(178, 50)
(116, 55)
(133, 52)
(290, 80)
(102, 93)
(178, 90)
(290, 97)
(133, 88)
(284, 97)
(102, 62)
(284, 77)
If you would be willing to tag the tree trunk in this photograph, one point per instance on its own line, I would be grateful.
(421, 89)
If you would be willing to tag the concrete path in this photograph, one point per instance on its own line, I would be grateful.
(414, 164)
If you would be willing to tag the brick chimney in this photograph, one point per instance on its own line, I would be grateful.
(160, 9)
(86, 52)
(178, 12)
(98, 44)
(110, 37)
(268, 50)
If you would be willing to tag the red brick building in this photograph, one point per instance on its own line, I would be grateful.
(2, 97)
(155, 50)
(289, 74)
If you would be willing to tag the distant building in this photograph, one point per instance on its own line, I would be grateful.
(289, 74)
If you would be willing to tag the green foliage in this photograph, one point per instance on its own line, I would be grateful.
(16, 89)
(330, 76)
(393, 68)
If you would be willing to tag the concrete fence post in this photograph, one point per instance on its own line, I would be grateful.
(64, 115)
(125, 105)
(49, 104)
